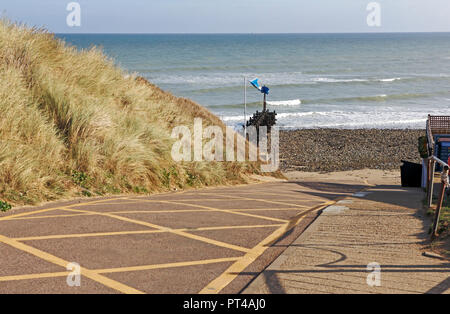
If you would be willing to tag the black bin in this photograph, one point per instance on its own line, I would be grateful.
(411, 174)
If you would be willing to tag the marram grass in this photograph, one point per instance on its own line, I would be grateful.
(72, 123)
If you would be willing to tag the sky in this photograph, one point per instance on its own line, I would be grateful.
(231, 16)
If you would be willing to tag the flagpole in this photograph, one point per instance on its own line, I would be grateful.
(245, 107)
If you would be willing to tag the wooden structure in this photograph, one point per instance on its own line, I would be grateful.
(437, 126)
(265, 117)
(438, 143)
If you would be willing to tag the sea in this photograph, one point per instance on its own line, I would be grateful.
(376, 80)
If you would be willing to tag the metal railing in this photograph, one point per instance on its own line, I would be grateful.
(431, 164)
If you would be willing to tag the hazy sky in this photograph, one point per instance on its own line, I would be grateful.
(231, 16)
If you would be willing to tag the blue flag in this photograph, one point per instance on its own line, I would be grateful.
(255, 84)
(262, 89)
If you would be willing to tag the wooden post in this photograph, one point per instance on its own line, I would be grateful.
(431, 183)
(245, 107)
(264, 103)
(428, 177)
(434, 233)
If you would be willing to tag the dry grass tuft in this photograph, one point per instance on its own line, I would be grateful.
(72, 122)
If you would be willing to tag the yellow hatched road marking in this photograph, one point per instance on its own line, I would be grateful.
(232, 198)
(235, 227)
(227, 211)
(114, 203)
(269, 209)
(135, 200)
(267, 201)
(232, 212)
(54, 208)
(257, 193)
(25, 214)
(240, 265)
(34, 276)
(59, 261)
(97, 234)
(181, 233)
(89, 213)
(153, 211)
(122, 269)
(85, 235)
(52, 216)
(237, 198)
(167, 265)
(252, 253)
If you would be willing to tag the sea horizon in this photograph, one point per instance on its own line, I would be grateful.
(316, 80)
(226, 33)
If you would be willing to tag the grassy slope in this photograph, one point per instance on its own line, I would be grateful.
(73, 123)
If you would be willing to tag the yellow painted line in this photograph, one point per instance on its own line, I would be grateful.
(181, 200)
(228, 211)
(89, 213)
(181, 233)
(25, 214)
(238, 198)
(52, 216)
(204, 209)
(50, 209)
(211, 241)
(240, 265)
(34, 276)
(122, 269)
(153, 211)
(294, 194)
(167, 265)
(85, 235)
(195, 191)
(233, 212)
(100, 234)
(114, 203)
(227, 198)
(136, 200)
(189, 210)
(235, 227)
(255, 194)
(270, 209)
(143, 223)
(267, 201)
(168, 211)
(58, 261)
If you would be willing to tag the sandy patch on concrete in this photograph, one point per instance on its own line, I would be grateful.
(365, 176)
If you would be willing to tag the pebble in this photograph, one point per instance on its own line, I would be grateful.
(328, 150)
